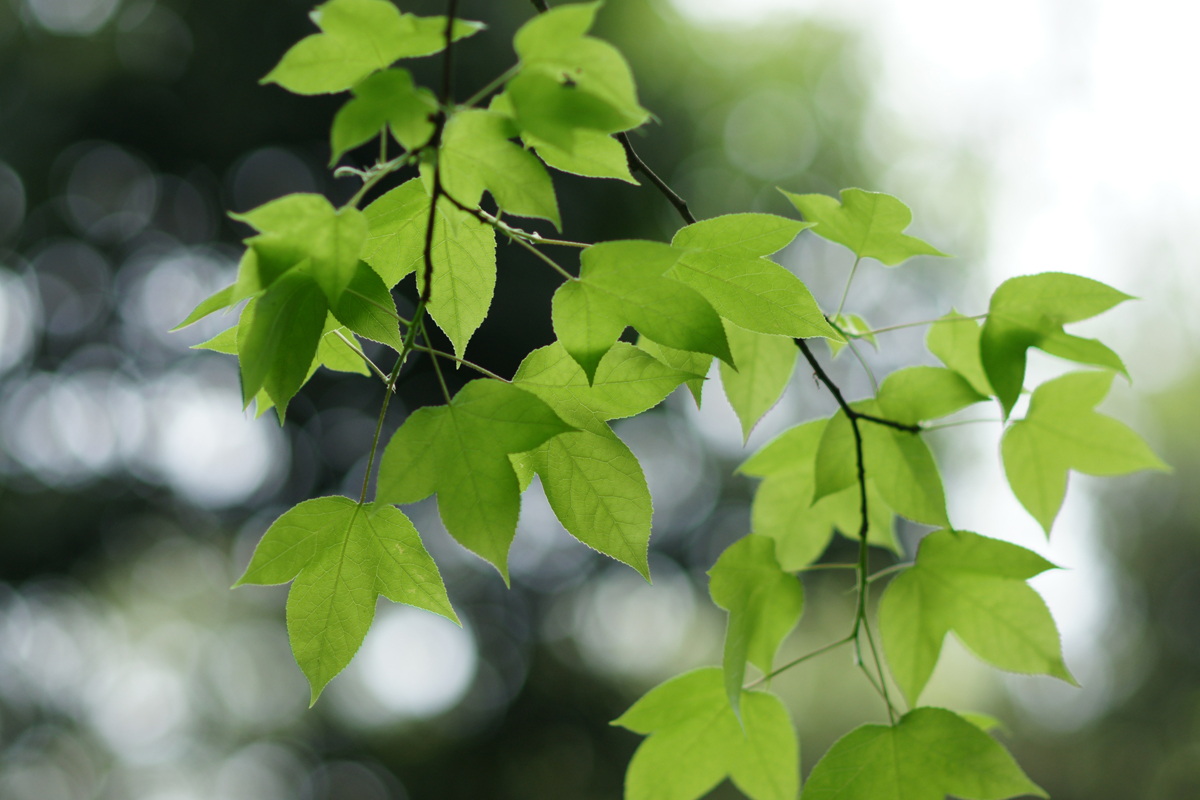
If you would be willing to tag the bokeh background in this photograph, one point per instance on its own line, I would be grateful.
(1028, 136)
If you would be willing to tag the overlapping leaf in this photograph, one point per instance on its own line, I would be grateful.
(342, 556)
(570, 81)
(851, 325)
(1061, 432)
(460, 451)
(725, 262)
(387, 99)
(477, 156)
(591, 478)
(974, 586)
(870, 224)
(464, 258)
(764, 605)
(696, 363)
(623, 284)
(783, 505)
(1030, 311)
(695, 742)
(928, 754)
(954, 339)
(359, 37)
(765, 365)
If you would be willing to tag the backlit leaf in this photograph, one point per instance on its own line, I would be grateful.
(622, 284)
(385, 99)
(341, 557)
(974, 586)
(695, 742)
(954, 339)
(765, 365)
(460, 451)
(870, 224)
(928, 754)
(696, 363)
(764, 605)
(1030, 311)
(1061, 432)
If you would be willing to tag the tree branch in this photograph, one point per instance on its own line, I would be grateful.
(637, 165)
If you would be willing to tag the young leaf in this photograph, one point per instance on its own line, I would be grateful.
(783, 505)
(695, 741)
(974, 586)
(726, 263)
(765, 365)
(569, 80)
(342, 556)
(278, 336)
(385, 99)
(464, 260)
(850, 324)
(476, 155)
(297, 227)
(929, 754)
(899, 462)
(954, 339)
(696, 363)
(764, 605)
(215, 302)
(367, 308)
(358, 37)
(591, 478)
(870, 224)
(461, 452)
(622, 284)
(1061, 432)
(1030, 311)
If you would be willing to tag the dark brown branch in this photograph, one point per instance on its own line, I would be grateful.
(540, 5)
(637, 165)
(435, 140)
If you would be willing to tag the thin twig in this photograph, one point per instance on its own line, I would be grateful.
(874, 331)
(800, 660)
(846, 291)
(866, 367)
(540, 5)
(492, 86)
(637, 165)
(363, 356)
(879, 668)
(391, 312)
(960, 422)
(516, 235)
(481, 370)
(437, 368)
(889, 570)
(815, 567)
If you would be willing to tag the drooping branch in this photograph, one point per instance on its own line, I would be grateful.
(637, 165)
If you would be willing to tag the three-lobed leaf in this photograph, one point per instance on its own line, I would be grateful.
(460, 451)
(341, 556)
(623, 284)
(975, 587)
(1030, 311)
(870, 224)
(1062, 431)
(928, 754)
(695, 741)
(388, 100)
(764, 605)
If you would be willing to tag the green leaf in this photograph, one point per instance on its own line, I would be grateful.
(358, 37)
(342, 556)
(297, 227)
(569, 80)
(1030, 311)
(929, 754)
(765, 365)
(622, 284)
(764, 605)
(850, 324)
(696, 363)
(695, 742)
(974, 586)
(334, 353)
(954, 339)
(916, 394)
(461, 452)
(476, 155)
(389, 99)
(215, 302)
(464, 260)
(367, 308)
(277, 338)
(870, 224)
(985, 722)
(627, 382)
(224, 342)
(783, 505)
(898, 462)
(725, 263)
(592, 480)
(1061, 432)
